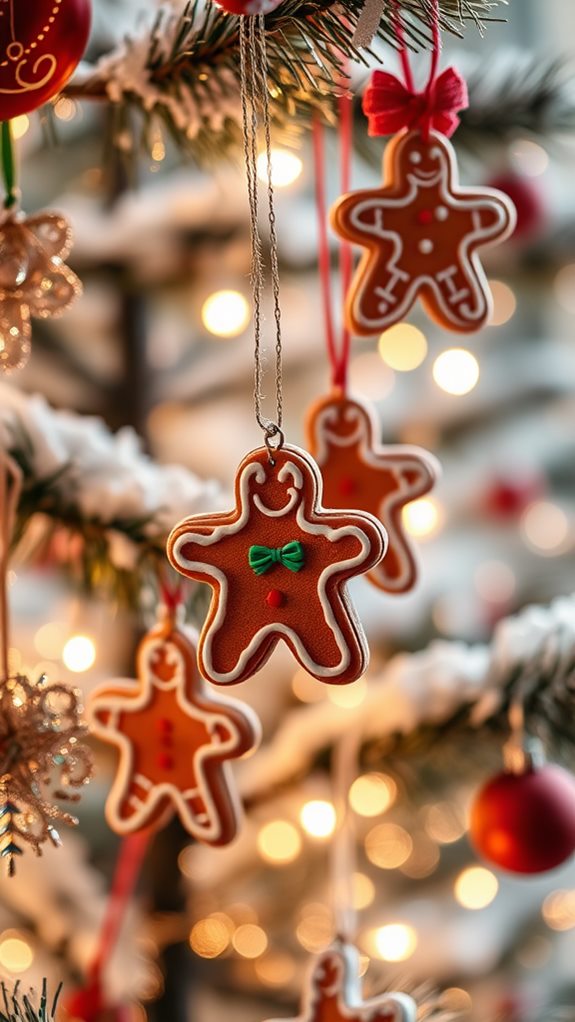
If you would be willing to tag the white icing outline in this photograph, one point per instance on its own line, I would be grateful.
(347, 988)
(207, 827)
(454, 197)
(277, 629)
(405, 458)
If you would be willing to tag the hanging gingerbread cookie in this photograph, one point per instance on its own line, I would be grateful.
(343, 436)
(334, 994)
(175, 742)
(278, 564)
(421, 231)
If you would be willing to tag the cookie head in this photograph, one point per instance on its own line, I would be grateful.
(276, 488)
(420, 161)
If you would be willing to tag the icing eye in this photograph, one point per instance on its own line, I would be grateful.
(435, 152)
(415, 157)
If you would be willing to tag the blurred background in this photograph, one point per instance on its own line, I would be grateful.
(161, 341)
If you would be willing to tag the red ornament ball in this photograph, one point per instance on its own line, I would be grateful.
(248, 6)
(527, 199)
(40, 45)
(525, 823)
(508, 497)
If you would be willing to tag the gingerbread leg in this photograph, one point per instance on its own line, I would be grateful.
(330, 652)
(460, 300)
(134, 803)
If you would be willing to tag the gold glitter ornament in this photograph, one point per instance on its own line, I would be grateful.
(34, 279)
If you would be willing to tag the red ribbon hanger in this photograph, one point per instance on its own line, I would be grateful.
(391, 105)
(338, 355)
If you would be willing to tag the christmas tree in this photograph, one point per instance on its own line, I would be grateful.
(400, 844)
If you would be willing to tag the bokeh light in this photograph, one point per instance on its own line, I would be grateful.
(318, 818)
(423, 860)
(250, 941)
(443, 822)
(564, 287)
(279, 842)
(226, 313)
(16, 955)
(403, 347)
(456, 371)
(545, 528)
(79, 654)
(422, 517)
(275, 969)
(388, 846)
(558, 910)
(504, 303)
(348, 696)
(476, 887)
(363, 891)
(209, 938)
(306, 688)
(315, 929)
(455, 999)
(20, 126)
(372, 794)
(286, 167)
(395, 942)
(529, 157)
(50, 639)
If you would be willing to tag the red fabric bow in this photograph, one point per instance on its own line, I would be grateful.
(390, 106)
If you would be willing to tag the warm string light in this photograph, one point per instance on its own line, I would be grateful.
(318, 818)
(395, 942)
(286, 167)
(388, 845)
(403, 347)
(456, 371)
(529, 157)
(558, 910)
(545, 528)
(79, 654)
(504, 303)
(372, 794)
(348, 696)
(279, 842)
(476, 887)
(16, 955)
(423, 517)
(226, 314)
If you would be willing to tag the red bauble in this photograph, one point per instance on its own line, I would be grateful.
(527, 199)
(525, 823)
(508, 497)
(40, 45)
(248, 6)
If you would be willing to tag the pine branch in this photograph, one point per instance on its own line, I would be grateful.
(15, 1007)
(183, 71)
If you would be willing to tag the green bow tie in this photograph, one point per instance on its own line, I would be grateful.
(262, 558)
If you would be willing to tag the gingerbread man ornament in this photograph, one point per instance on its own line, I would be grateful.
(278, 564)
(175, 742)
(334, 994)
(343, 437)
(422, 233)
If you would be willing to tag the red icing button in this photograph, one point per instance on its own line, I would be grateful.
(347, 486)
(164, 725)
(425, 216)
(165, 761)
(275, 599)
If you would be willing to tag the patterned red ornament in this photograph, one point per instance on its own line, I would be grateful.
(528, 199)
(334, 995)
(248, 6)
(41, 44)
(525, 822)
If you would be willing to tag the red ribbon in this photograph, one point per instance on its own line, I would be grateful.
(390, 106)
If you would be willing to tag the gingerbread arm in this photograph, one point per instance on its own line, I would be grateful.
(108, 702)
(197, 546)
(355, 539)
(493, 216)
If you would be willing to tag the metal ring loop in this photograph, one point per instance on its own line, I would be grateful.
(273, 432)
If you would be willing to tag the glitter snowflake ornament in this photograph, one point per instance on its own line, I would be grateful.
(34, 279)
(41, 760)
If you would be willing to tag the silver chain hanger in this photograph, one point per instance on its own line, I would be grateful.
(255, 99)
